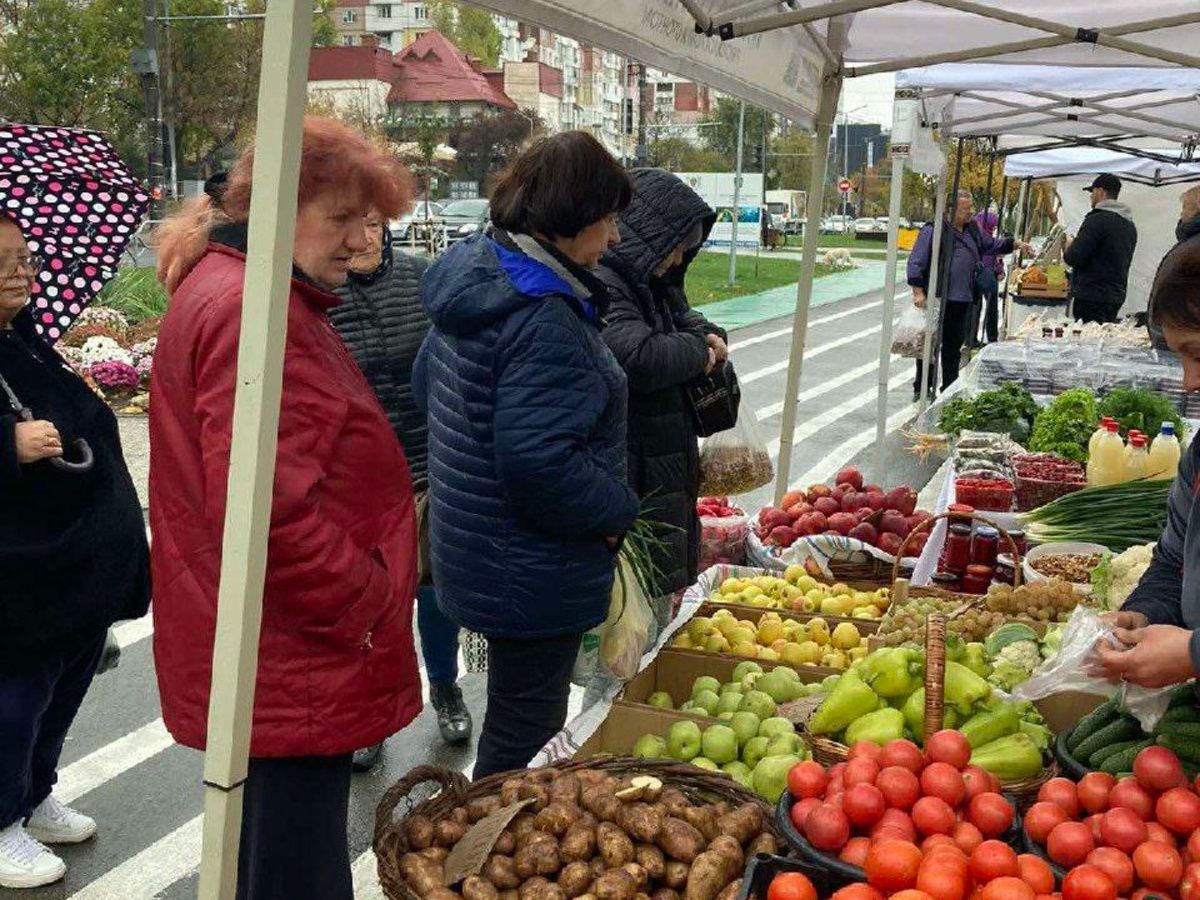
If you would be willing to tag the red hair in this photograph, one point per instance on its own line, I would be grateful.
(334, 158)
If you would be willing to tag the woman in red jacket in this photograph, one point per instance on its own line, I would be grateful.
(336, 665)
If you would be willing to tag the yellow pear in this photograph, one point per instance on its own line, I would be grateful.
(726, 625)
(810, 653)
(716, 643)
(748, 649)
(778, 645)
(845, 636)
(769, 631)
(831, 606)
(682, 640)
(792, 654)
(731, 586)
(768, 654)
(792, 574)
(741, 634)
(841, 590)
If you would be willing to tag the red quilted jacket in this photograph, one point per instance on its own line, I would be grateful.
(336, 669)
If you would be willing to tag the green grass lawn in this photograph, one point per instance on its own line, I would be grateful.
(135, 293)
(829, 241)
(709, 272)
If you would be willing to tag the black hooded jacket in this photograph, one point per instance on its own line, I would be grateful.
(660, 343)
(73, 551)
(1186, 233)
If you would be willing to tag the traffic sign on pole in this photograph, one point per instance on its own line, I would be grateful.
(844, 186)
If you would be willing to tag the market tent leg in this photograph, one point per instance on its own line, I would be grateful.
(931, 295)
(1019, 233)
(281, 101)
(889, 309)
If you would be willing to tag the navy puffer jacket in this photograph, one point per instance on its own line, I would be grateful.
(526, 411)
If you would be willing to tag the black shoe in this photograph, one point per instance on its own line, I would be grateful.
(367, 758)
(454, 719)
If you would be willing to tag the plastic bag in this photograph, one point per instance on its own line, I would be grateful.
(723, 540)
(736, 461)
(908, 340)
(615, 648)
(1072, 668)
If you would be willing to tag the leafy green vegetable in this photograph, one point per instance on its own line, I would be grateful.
(1141, 409)
(1102, 577)
(1009, 409)
(1066, 425)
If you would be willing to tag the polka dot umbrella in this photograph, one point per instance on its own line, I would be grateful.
(79, 206)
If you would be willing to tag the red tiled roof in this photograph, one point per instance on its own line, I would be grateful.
(362, 63)
(432, 70)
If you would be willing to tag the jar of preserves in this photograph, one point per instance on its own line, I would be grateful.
(956, 553)
(985, 546)
(1018, 537)
(947, 581)
(1006, 570)
(977, 579)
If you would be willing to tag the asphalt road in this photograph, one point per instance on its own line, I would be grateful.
(121, 767)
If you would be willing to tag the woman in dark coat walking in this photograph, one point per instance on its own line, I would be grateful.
(662, 344)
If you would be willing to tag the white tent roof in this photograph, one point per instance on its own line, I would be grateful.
(1063, 162)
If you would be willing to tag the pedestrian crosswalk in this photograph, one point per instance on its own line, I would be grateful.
(121, 766)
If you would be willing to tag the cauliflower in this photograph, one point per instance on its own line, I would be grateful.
(1116, 577)
(1007, 675)
(1024, 654)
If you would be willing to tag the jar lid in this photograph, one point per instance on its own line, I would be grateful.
(1006, 560)
(960, 508)
(946, 577)
(987, 531)
(980, 571)
(960, 529)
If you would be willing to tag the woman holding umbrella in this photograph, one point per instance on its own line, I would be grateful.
(74, 557)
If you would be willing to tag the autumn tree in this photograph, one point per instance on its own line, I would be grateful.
(488, 141)
(676, 154)
(722, 137)
(470, 28)
(789, 161)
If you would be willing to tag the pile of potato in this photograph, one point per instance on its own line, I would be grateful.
(590, 836)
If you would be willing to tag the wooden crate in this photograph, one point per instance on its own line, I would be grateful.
(626, 722)
(755, 613)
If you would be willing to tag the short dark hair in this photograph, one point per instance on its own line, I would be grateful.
(1175, 297)
(558, 186)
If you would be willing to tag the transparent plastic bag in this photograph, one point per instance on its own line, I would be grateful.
(1075, 668)
(908, 340)
(723, 540)
(614, 649)
(736, 461)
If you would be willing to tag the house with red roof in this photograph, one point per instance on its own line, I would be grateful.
(354, 80)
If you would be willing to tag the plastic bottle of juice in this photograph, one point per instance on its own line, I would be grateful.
(1097, 434)
(1107, 464)
(1129, 436)
(1163, 460)
(1137, 457)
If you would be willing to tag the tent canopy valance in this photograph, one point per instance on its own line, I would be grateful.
(1066, 162)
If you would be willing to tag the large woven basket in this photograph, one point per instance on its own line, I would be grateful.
(928, 524)
(435, 792)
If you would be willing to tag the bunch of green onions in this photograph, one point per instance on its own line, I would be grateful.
(643, 540)
(1119, 516)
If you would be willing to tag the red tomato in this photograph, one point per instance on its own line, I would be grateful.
(948, 746)
(993, 859)
(1093, 791)
(1036, 873)
(861, 771)
(892, 865)
(889, 833)
(937, 840)
(1122, 828)
(1178, 809)
(991, 814)
(911, 894)
(1007, 887)
(1158, 866)
(855, 851)
(1131, 795)
(1062, 792)
(1070, 843)
(857, 891)
(807, 779)
(1193, 847)
(791, 886)
(1117, 864)
(940, 779)
(1158, 769)
(827, 828)
(1189, 885)
(900, 787)
(1147, 894)
(1088, 883)
(1156, 832)
(865, 750)
(1041, 819)
(837, 771)
(932, 815)
(976, 781)
(941, 883)
(967, 837)
(1093, 822)
(801, 810)
(904, 754)
(864, 805)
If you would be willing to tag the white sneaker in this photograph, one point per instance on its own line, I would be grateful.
(25, 863)
(56, 823)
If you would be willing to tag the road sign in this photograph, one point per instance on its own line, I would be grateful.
(844, 185)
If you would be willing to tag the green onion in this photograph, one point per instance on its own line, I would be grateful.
(1119, 516)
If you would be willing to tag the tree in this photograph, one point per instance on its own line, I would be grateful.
(324, 31)
(679, 155)
(471, 28)
(789, 161)
(723, 136)
(486, 142)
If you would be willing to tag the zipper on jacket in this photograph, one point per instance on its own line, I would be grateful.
(366, 642)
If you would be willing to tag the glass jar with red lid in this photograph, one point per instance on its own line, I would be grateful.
(956, 552)
(977, 579)
(985, 546)
(947, 581)
(1006, 570)
(1018, 538)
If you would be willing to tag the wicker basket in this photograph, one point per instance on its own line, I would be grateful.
(434, 792)
(975, 517)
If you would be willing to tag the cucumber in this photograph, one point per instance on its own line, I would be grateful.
(1098, 758)
(1102, 715)
(1186, 748)
(1178, 714)
(1123, 761)
(1187, 730)
(1123, 729)
(1184, 695)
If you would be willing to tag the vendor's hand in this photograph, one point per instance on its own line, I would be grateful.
(37, 440)
(1160, 656)
(1125, 619)
(712, 361)
(918, 298)
(718, 346)
(1025, 248)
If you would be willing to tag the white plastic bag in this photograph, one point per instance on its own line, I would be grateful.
(613, 649)
(908, 340)
(735, 461)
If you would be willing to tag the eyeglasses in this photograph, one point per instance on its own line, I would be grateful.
(12, 264)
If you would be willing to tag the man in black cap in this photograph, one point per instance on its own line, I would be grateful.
(1100, 254)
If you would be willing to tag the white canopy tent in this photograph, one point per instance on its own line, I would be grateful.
(1066, 162)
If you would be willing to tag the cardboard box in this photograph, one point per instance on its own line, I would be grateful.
(626, 722)
(1062, 711)
(754, 613)
(674, 671)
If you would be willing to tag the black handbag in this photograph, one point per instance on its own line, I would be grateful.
(715, 399)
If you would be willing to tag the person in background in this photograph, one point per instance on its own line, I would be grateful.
(965, 246)
(991, 277)
(528, 500)
(382, 323)
(337, 670)
(74, 560)
(662, 344)
(1187, 232)
(1101, 253)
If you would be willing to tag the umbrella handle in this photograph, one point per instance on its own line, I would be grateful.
(76, 468)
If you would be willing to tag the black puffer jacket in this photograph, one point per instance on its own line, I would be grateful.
(1101, 254)
(660, 342)
(381, 320)
(1187, 233)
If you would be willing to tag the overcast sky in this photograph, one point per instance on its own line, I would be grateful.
(868, 99)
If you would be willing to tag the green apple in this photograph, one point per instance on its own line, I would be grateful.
(788, 671)
(777, 725)
(661, 699)
(755, 749)
(758, 703)
(739, 772)
(731, 687)
(745, 726)
(650, 746)
(701, 762)
(749, 679)
(689, 706)
(729, 702)
(725, 716)
(719, 743)
(784, 745)
(705, 683)
(683, 740)
(707, 701)
(770, 776)
(777, 686)
(742, 669)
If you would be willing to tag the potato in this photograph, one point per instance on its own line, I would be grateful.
(506, 843)
(590, 778)
(420, 832)
(680, 841)
(639, 875)
(443, 893)
(703, 819)
(535, 837)
(482, 807)
(534, 889)
(537, 858)
(721, 807)
(510, 895)
(602, 804)
(708, 876)
(509, 791)
(743, 823)
(555, 819)
(598, 867)
(448, 832)
(729, 848)
(731, 890)
(575, 879)
(437, 854)
(586, 818)
(616, 884)
(538, 793)
(460, 815)
(476, 888)
(651, 859)
(614, 845)
(578, 844)
(521, 824)
(423, 874)
(641, 822)
(665, 894)
(764, 843)
(675, 802)
(502, 872)
(565, 790)
(542, 776)
(675, 875)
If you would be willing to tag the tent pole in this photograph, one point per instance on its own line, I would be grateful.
(931, 293)
(1002, 301)
(281, 100)
(889, 309)
(826, 110)
(737, 194)
(1018, 226)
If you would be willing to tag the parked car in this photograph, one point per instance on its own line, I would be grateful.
(836, 224)
(867, 226)
(422, 213)
(462, 218)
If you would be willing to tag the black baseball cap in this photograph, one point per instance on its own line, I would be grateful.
(1110, 183)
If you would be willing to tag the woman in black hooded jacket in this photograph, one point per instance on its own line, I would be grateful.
(662, 344)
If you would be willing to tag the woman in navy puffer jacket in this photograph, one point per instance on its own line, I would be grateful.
(526, 407)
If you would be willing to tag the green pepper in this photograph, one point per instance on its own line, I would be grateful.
(991, 724)
(849, 699)
(964, 688)
(914, 711)
(893, 672)
(956, 647)
(1012, 758)
(975, 658)
(1040, 733)
(878, 727)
